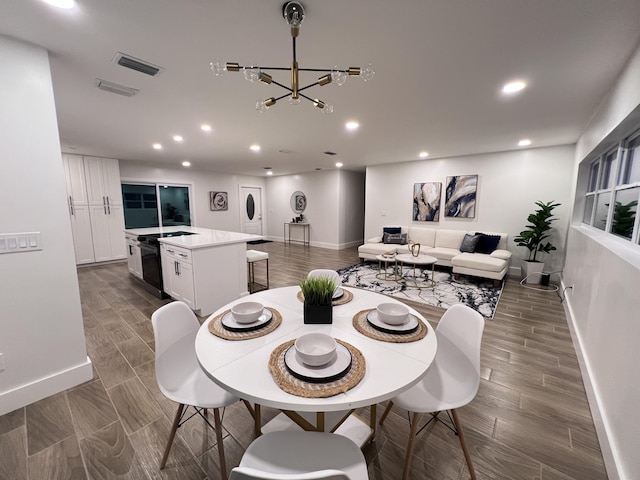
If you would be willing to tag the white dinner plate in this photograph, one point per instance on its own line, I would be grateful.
(409, 326)
(338, 293)
(230, 323)
(333, 370)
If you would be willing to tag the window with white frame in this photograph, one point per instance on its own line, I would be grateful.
(613, 190)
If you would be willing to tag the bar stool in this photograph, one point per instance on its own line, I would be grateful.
(254, 256)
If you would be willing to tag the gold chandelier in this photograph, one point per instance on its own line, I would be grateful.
(293, 13)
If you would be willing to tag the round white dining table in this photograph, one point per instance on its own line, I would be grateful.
(241, 366)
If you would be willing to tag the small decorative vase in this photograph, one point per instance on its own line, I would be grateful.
(318, 314)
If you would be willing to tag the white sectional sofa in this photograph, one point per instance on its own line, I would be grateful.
(444, 244)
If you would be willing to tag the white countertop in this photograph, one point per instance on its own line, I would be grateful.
(205, 237)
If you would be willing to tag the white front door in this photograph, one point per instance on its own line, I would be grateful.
(251, 210)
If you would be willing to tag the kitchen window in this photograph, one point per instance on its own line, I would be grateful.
(154, 205)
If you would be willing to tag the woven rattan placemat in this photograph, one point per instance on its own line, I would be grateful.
(290, 384)
(346, 298)
(361, 324)
(216, 327)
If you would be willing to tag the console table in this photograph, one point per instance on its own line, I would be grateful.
(306, 235)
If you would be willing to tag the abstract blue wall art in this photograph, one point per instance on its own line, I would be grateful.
(426, 201)
(460, 196)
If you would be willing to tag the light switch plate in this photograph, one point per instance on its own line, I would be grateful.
(20, 242)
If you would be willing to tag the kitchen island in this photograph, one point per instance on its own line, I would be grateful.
(205, 268)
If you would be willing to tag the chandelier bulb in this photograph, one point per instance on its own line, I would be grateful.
(328, 109)
(218, 68)
(338, 76)
(251, 72)
(293, 13)
(294, 101)
(367, 73)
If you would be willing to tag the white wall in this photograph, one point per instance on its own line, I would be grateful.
(508, 185)
(202, 182)
(603, 305)
(327, 192)
(41, 329)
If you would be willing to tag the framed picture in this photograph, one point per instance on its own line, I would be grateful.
(218, 201)
(426, 201)
(301, 202)
(460, 199)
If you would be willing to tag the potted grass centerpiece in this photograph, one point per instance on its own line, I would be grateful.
(318, 298)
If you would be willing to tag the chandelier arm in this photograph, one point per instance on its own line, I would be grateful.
(325, 70)
(281, 85)
(283, 96)
(308, 98)
(308, 86)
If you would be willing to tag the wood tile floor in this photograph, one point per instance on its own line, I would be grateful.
(530, 419)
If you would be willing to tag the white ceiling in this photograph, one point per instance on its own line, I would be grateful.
(440, 65)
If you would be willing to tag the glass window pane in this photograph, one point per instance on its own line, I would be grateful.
(175, 205)
(608, 164)
(588, 209)
(631, 171)
(138, 214)
(602, 210)
(593, 176)
(624, 212)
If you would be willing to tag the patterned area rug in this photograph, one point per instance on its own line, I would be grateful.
(477, 293)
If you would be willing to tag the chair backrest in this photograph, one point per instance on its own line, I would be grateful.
(330, 274)
(175, 328)
(463, 327)
(245, 473)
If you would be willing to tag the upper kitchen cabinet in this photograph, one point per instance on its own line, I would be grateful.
(95, 208)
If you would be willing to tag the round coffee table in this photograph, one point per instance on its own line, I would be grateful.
(383, 273)
(422, 260)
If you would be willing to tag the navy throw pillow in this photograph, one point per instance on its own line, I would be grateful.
(391, 230)
(487, 243)
(469, 243)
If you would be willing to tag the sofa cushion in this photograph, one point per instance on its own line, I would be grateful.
(374, 240)
(426, 237)
(396, 238)
(469, 243)
(503, 254)
(377, 248)
(487, 243)
(443, 253)
(479, 261)
(449, 238)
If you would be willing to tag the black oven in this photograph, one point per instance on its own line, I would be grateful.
(151, 262)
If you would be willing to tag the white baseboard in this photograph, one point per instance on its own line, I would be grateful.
(609, 453)
(44, 387)
(330, 246)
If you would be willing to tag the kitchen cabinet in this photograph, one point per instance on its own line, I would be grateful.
(177, 274)
(134, 256)
(95, 208)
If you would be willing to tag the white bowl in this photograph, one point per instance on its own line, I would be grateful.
(393, 313)
(247, 312)
(315, 349)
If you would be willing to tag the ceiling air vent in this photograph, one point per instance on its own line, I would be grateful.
(115, 88)
(136, 64)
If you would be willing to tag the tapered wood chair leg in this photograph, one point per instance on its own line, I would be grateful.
(415, 419)
(176, 422)
(218, 425)
(385, 413)
(463, 443)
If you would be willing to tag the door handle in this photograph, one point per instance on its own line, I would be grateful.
(105, 209)
(109, 209)
(175, 268)
(71, 205)
(104, 202)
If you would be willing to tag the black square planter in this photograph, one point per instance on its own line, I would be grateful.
(318, 314)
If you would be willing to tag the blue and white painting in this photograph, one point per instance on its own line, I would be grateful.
(426, 201)
(460, 196)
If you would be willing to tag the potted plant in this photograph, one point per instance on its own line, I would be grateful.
(537, 231)
(318, 298)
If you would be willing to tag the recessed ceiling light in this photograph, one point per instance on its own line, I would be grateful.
(255, 148)
(513, 87)
(157, 146)
(525, 142)
(338, 164)
(423, 154)
(178, 138)
(352, 126)
(67, 4)
(205, 128)
(269, 172)
(186, 163)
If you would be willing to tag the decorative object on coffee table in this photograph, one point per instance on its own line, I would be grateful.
(318, 298)
(533, 238)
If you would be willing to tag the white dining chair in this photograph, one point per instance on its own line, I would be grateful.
(451, 382)
(180, 377)
(323, 272)
(298, 455)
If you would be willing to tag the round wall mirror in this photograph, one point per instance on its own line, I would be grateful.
(298, 202)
